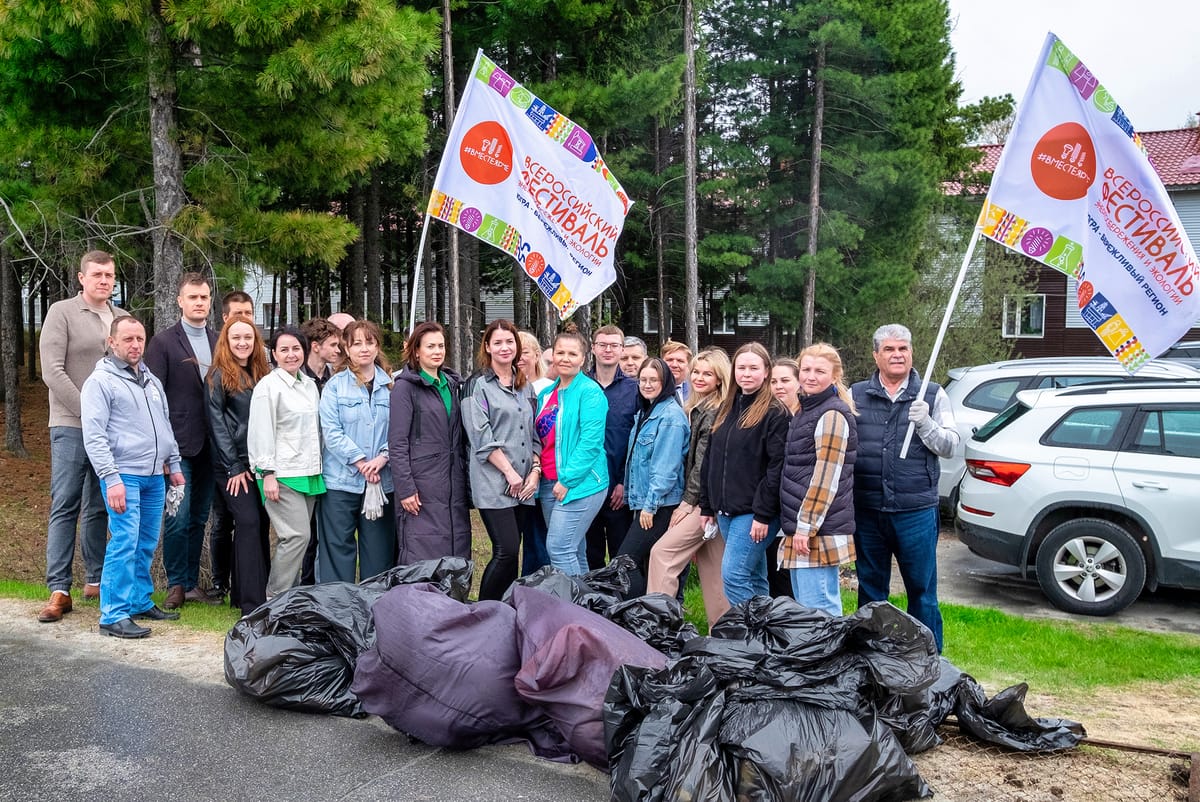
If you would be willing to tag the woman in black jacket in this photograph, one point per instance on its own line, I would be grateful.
(739, 479)
(427, 453)
(238, 362)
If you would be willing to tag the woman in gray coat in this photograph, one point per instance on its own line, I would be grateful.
(497, 409)
(426, 452)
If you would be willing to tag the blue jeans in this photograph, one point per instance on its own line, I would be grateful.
(911, 537)
(183, 532)
(818, 588)
(126, 586)
(744, 566)
(74, 489)
(339, 552)
(566, 527)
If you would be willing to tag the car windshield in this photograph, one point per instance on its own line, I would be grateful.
(1005, 417)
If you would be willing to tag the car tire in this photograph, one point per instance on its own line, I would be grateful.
(1091, 566)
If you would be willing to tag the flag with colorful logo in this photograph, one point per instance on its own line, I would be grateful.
(524, 178)
(1075, 191)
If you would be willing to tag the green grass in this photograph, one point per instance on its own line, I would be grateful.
(1052, 656)
(205, 617)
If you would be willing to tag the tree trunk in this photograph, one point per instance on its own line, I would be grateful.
(357, 268)
(519, 299)
(10, 339)
(814, 195)
(657, 223)
(454, 319)
(168, 171)
(691, 243)
(371, 245)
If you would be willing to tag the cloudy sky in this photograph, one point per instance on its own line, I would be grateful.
(1146, 53)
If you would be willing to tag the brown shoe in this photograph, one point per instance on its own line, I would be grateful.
(58, 606)
(91, 591)
(197, 595)
(174, 598)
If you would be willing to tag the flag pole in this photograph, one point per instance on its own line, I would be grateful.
(412, 306)
(941, 335)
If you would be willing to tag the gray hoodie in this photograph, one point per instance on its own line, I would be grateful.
(126, 427)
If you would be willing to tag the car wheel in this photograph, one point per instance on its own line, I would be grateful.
(1090, 566)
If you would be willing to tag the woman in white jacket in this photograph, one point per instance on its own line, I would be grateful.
(284, 447)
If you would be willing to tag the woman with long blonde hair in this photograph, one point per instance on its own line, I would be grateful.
(739, 487)
(685, 539)
(817, 485)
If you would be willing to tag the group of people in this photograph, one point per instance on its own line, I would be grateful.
(767, 473)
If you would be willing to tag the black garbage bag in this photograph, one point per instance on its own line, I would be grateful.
(655, 618)
(299, 649)
(1002, 720)
(596, 590)
(451, 575)
(772, 693)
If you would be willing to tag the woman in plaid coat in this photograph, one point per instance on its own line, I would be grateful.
(817, 486)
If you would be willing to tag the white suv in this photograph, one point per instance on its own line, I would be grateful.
(1097, 488)
(977, 393)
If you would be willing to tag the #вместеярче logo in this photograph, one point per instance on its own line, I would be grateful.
(1064, 162)
(486, 153)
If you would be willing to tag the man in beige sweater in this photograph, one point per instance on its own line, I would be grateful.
(74, 336)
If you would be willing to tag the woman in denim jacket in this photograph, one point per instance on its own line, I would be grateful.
(354, 425)
(654, 467)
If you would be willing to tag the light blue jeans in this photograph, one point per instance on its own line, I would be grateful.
(75, 497)
(744, 566)
(818, 588)
(566, 527)
(126, 585)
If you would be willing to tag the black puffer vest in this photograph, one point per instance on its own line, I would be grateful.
(883, 481)
(800, 459)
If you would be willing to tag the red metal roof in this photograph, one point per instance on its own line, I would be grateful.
(1175, 155)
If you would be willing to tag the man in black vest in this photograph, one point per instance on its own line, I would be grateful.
(896, 499)
(179, 357)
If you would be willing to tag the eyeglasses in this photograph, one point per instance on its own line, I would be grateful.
(609, 346)
(648, 382)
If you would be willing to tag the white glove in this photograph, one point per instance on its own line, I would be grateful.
(373, 501)
(918, 414)
(174, 499)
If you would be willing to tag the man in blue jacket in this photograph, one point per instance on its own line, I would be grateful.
(614, 519)
(128, 438)
(896, 498)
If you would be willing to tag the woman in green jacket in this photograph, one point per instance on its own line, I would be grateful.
(570, 422)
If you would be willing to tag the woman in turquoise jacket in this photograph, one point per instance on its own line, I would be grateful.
(570, 421)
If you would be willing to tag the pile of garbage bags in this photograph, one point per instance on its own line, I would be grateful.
(778, 702)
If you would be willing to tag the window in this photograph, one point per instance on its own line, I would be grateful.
(268, 317)
(650, 316)
(992, 396)
(1173, 432)
(1059, 382)
(726, 320)
(1085, 428)
(1024, 316)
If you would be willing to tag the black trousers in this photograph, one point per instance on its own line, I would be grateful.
(504, 530)
(638, 542)
(605, 534)
(220, 538)
(251, 549)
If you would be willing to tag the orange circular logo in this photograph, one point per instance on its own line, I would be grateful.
(1064, 162)
(535, 264)
(1084, 293)
(486, 153)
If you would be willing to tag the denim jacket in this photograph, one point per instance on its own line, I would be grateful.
(354, 426)
(654, 469)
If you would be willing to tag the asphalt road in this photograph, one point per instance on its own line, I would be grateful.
(84, 727)
(964, 578)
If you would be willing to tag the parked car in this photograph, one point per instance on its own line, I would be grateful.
(1097, 489)
(1188, 352)
(977, 393)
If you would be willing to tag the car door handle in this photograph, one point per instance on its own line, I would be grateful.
(1149, 484)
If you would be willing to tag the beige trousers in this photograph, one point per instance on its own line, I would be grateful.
(290, 516)
(675, 549)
